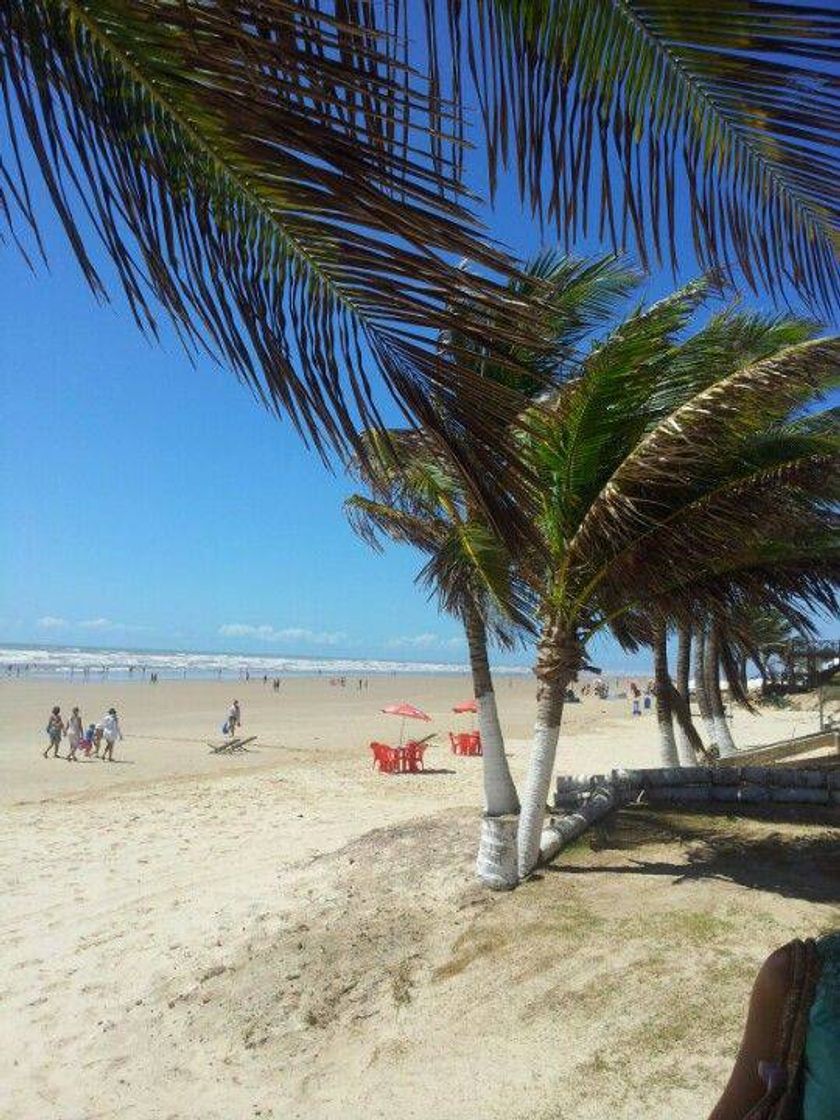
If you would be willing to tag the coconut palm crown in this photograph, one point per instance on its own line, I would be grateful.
(666, 482)
(285, 180)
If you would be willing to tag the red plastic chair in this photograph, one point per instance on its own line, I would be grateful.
(466, 742)
(385, 758)
(413, 756)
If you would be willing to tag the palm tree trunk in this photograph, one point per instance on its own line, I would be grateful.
(667, 743)
(700, 682)
(496, 863)
(685, 748)
(686, 726)
(499, 790)
(723, 738)
(557, 663)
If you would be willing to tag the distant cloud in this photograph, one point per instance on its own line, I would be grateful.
(266, 633)
(49, 622)
(424, 641)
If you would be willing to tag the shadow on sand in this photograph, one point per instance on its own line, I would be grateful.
(805, 866)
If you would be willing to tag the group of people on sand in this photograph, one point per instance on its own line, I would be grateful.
(90, 740)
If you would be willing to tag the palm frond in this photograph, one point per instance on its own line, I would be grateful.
(751, 513)
(372, 521)
(605, 107)
(684, 452)
(283, 187)
(598, 417)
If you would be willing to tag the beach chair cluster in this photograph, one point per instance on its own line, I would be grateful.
(466, 743)
(231, 746)
(407, 759)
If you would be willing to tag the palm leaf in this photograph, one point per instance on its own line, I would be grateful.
(283, 188)
(600, 415)
(606, 106)
(374, 521)
(686, 448)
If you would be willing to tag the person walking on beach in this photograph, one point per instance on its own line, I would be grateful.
(110, 732)
(74, 734)
(234, 719)
(55, 729)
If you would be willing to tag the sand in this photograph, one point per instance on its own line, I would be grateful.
(286, 933)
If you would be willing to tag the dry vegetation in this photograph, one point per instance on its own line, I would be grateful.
(614, 984)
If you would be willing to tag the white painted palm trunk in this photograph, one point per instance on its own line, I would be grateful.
(496, 864)
(668, 755)
(685, 751)
(500, 797)
(703, 701)
(566, 829)
(664, 716)
(540, 769)
(723, 737)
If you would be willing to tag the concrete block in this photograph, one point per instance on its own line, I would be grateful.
(753, 793)
(726, 793)
(757, 775)
(726, 775)
(800, 796)
(680, 795)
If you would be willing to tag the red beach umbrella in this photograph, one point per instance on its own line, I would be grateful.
(406, 711)
(466, 706)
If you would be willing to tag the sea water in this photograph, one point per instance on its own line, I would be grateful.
(125, 664)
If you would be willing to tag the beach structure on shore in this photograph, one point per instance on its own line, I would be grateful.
(801, 665)
(231, 746)
(801, 771)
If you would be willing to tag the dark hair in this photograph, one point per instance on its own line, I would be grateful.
(56, 710)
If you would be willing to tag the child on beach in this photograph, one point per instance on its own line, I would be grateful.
(111, 732)
(87, 739)
(74, 734)
(55, 729)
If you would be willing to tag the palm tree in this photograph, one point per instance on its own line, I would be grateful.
(686, 749)
(420, 497)
(417, 501)
(680, 744)
(717, 710)
(275, 183)
(703, 704)
(284, 181)
(766, 631)
(669, 755)
(603, 107)
(663, 480)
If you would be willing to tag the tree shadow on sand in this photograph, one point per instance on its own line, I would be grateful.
(804, 866)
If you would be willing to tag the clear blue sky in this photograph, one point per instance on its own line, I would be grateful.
(151, 504)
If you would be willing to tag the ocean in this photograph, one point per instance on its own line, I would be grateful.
(126, 664)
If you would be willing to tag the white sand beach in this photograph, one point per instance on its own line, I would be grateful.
(286, 933)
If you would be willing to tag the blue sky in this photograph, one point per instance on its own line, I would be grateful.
(152, 504)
